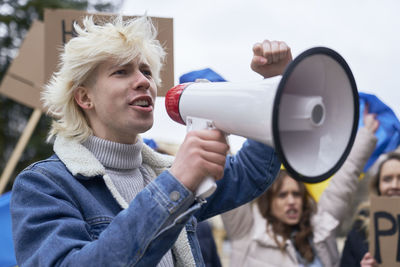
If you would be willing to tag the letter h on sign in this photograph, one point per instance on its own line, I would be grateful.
(65, 32)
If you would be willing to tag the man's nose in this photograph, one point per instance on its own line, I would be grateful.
(140, 81)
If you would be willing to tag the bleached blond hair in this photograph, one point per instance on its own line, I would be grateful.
(95, 43)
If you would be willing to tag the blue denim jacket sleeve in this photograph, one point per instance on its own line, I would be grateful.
(50, 227)
(246, 176)
(53, 213)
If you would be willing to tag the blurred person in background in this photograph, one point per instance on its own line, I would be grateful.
(386, 182)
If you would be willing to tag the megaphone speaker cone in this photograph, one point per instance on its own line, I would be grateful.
(315, 115)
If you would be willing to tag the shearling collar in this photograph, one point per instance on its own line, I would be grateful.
(79, 160)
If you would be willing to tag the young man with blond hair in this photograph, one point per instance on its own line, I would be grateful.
(106, 199)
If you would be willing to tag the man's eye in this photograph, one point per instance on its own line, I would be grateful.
(119, 72)
(147, 73)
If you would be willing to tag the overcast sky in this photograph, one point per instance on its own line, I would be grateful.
(220, 33)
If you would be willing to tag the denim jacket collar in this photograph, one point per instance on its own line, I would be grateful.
(84, 165)
(79, 160)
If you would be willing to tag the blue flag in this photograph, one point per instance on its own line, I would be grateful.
(151, 143)
(388, 133)
(206, 73)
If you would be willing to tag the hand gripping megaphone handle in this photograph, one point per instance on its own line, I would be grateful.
(208, 186)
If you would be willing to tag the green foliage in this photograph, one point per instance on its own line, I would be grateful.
(16, 16)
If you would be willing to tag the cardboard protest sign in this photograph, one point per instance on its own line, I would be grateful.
(25, 76)
(38, 55)
(384, 238)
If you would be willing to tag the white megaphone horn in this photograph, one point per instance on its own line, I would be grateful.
(309, 114)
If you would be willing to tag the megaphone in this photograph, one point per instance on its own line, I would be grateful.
(309, 114)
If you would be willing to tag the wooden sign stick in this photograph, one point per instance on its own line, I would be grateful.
(20, 147)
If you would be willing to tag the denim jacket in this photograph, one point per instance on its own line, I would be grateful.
(66, 211)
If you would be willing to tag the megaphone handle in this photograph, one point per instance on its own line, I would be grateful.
(208, 186)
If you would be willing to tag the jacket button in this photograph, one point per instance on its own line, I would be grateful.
(174, 196)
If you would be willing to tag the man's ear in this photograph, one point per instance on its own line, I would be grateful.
(82, 98)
